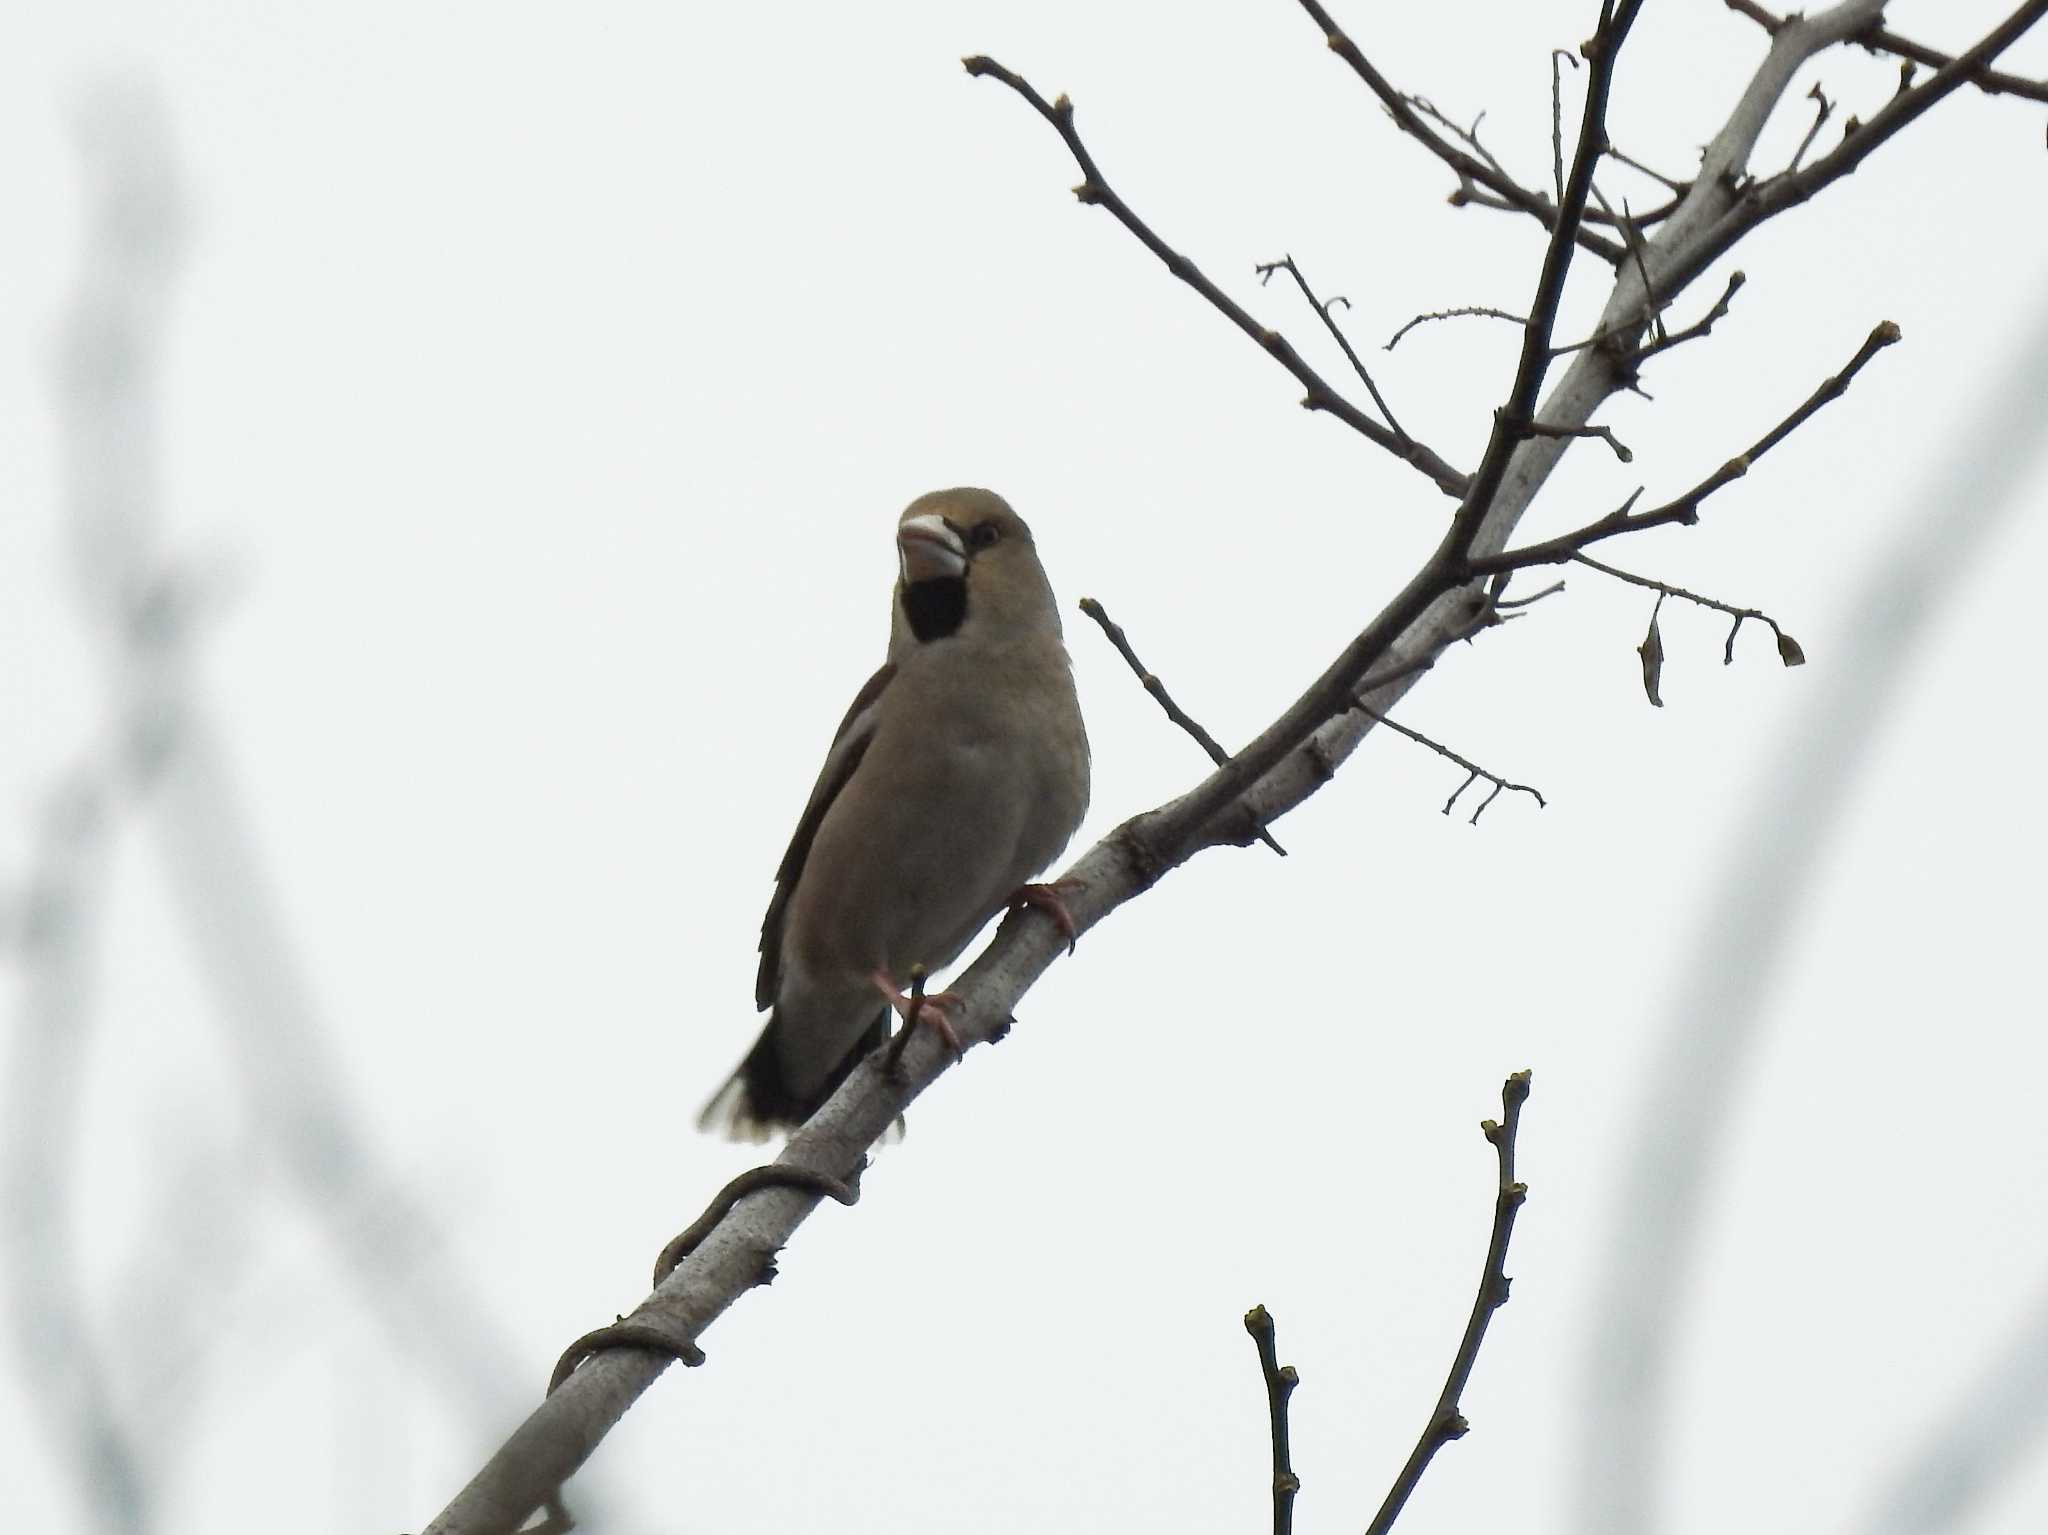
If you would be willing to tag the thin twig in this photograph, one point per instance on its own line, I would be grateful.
(1473, 770)
(1698, 328)
(1676, 187)
(1789, 650)
(1510, 424)
(1281, 1380)
(1822, 112)
(1322, 308)
(1557, 116)
(1446, 1422)
(1151, 683)
(1634, 237)
(1757, 14)
(1604, 433)
(1635, 323)
(1320, 396)
(1469, 137)
(1469, 167)
(1685, 508)
(1463, 311)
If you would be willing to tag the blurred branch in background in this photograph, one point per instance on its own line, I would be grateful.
(108, 376)
(1979, 1443)
(1712, 1029)
(163, 761)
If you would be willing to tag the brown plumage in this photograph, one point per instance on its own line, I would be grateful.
(959, 772)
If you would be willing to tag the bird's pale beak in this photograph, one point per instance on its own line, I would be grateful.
(930, 550)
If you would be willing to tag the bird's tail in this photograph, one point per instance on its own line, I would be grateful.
(757, 1102)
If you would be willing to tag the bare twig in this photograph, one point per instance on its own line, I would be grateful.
(1557, 117)
(1789, 650)
(1677, 188)
(1320, 396)
(1470, 168)
(1823, 110)
(1633, 236)
(1469, 137)
(1446, 1422)
(1463, 311)
(1511, 423)
(1281, 1380)
(1322, 308)
(1151, 683)
(1635, 323)
(1685, 508)
(1605, 434)
(1473, 770)
(1698, 328)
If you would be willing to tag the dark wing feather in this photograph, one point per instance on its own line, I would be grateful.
(849, 745)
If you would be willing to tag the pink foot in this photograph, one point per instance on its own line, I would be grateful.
(929, 1008)
(1048, 899)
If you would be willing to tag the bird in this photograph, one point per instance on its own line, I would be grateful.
(958, 773)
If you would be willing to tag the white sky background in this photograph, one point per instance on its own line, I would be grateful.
(542, 390)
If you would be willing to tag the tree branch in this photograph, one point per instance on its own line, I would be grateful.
(1686, 508)
(1486, 173)
(1320, 396)
(1512, 422)
(1446, 1422)
(1294, 757)
(1462, 312)
(1322, 308)
(1151, 683)
(1789, 649)
(1281, 1380)
(1795, 40)
(1473, 770)
(1880, 40)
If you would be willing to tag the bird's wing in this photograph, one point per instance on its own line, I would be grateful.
(849, 745)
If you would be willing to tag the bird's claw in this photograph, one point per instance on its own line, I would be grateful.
(1050, 900)
(926, 1007)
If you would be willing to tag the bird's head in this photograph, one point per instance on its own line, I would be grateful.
(968, 563)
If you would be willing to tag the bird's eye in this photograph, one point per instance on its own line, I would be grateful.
(983, 534)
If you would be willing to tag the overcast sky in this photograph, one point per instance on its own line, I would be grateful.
(539, 391)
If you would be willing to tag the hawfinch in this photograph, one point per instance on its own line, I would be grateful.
(959, 772)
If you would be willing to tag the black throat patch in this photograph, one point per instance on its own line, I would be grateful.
(935, 608)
